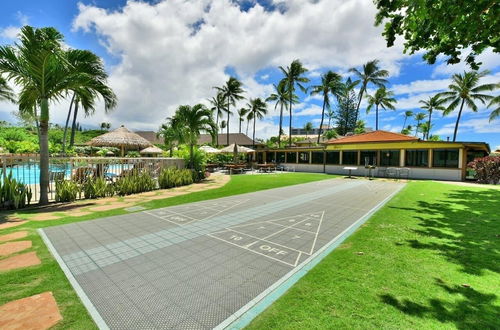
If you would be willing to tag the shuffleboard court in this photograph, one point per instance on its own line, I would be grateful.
(199, 265)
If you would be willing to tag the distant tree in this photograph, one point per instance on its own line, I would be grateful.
(345, 116)
(465, 89)
(434, 138)
(330, 114)
(218, 107)
(433, 103)
(294, 75)
(360, 127)
(258, 109)
(241, 116)
(308, 127)
(170, 135)
(105, 126)
(370, 74)
(382, 98)
(407, 115)
(281, 97)
(419, 117)
(407, 130)
(330, 84)
(232, 92)
(445, 27)
(330, 134)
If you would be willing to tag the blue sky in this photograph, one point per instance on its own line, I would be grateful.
(161, 54)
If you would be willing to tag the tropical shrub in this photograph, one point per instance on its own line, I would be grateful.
(97, 188)
(66, 191)
(134, 183)
(199, 161)
(173, 177)
(487, 169)
(13, 194)
(133, 154)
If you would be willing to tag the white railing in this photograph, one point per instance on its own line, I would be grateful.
(25, 169)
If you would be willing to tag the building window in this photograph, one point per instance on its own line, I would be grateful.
(445, 158)
(260, 157)
(280, 157)
(291, 157)
(389, 157)
(304, 157)
(333, 157)
(368, 158)
(417, 158)
(270, 157)
(317, 157)
(350, 158)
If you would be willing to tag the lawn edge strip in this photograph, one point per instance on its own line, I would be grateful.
(252, 309)
(99, 321)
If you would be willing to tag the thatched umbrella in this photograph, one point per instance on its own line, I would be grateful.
(235, 150)
(151, 151)
(209, 150)
(121, 138)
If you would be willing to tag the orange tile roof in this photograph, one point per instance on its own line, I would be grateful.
(375, 136)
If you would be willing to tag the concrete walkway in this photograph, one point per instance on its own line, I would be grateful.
(196, 265)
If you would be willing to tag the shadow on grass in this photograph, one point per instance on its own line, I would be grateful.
(467, 302)
(464, 227)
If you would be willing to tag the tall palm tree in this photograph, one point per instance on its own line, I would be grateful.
(281, 96)
(40, 67)
(231, 91)
(371, 74)
(294, 75)
(242, 112)
(330, 114)
(433, 103)
(308, 127)
(89, 63)
(384, 99)
(496, 112)
(249, 119)
(465, 89)
(217, 108)
(424, 128)
(258, 109)
(330, 84)
(190, 122)
(6, 93)
(408, 114)
(419, 117)
(169, 134)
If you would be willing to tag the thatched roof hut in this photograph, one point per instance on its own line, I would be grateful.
(151, 151)
(121, 138)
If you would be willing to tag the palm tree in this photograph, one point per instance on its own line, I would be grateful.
(169, 134)
(308, 127)
(105, 126)
(6, 93)
(258, 109)
(241, 116)
(92, 65)
(281, 97)
(371, 75)
(231, 91)
(408, 114)
(424, 128)
(217, 108)
(496, 112)
(330, 114)
(189, 122)
(419, 117)
(383, 98)
(433, 103)
(407, 130)
(330, 83)
(465, 89)
(43, 71)
(249, 119)
(294, 75)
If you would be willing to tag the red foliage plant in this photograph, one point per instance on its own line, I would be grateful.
(487, 169)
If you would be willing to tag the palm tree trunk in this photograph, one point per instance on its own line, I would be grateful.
(66, 124)
(73, 126)
(44, 152)
(458, 120)
(429, 125)
(322, 117)
(359, 103)
(404, 123)
(227, 125)
(416, 128)
(217, 125)
(191, 152)
(253, 139)
(248, 123)
(241, 119)
(376, 117)
(280, 125)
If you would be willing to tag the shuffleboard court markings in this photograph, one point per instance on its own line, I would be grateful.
(274, 239)
(183, 215)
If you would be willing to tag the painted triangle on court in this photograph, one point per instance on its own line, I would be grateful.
(259, 230)
(309, 222)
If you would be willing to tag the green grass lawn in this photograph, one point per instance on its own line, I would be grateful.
(48, 276)
(431, 260)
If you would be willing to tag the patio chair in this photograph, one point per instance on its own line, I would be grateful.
(392, 172)
(404, 173)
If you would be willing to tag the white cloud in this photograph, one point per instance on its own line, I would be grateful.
(488, 58)
(11, 32)
(165, 62)
(475, 125)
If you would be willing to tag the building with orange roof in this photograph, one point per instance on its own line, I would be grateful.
(388, 154)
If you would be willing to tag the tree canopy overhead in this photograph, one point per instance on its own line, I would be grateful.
(447, 27)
